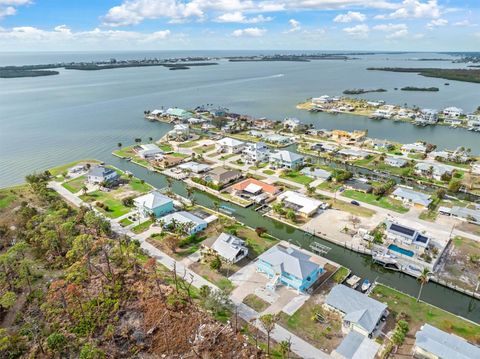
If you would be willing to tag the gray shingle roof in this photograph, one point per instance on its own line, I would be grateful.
(356, 346)
(358, 307)
(414, 196)
(228, 246)
(444, 345)
(285, 155)
(100, 171)
(152, 200)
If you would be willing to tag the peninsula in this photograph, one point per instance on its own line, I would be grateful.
(466, 75)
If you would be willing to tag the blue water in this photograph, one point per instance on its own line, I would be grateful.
(400, 250)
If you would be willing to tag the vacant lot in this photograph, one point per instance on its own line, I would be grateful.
(380, 201)
(256, 303)
(297, 177)
(75, 185)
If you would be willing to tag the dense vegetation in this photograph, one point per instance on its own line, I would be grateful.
(71, 288)
(467, 75)
(413, 88)
(13, 73)
(361, 91)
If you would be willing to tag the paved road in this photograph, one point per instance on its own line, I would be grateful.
(299, 346)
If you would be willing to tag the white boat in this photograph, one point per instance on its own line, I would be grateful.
(353, 281)
(366, 285)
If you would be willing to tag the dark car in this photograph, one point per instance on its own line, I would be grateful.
(355, 203)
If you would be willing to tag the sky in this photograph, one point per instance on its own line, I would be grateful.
(360, 25)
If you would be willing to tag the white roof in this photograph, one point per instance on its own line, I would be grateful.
(156, 112)
(286, 156)
(194, 166)
(150, 146)
(152, 200)
(414, 196)
(306, 204)
(230, 142)
(228, 246)
(183, 217)
(253, 188)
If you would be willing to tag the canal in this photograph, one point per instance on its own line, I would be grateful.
(361, 265)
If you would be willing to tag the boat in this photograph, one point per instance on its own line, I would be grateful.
(366, 285)
(353, 281)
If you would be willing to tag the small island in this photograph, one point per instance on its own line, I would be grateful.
(361, 91)
(413, 88)
(466, 75)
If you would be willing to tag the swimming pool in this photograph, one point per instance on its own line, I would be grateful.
(400, 250)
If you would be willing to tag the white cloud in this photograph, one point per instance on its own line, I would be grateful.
(350, 16)
(359, 31)
(437, 23)
(395, 31)
(250, 31)
(239, 17)
(464, 23)
(294, 26)
(7, 11)
(9, 7)
(414, 9)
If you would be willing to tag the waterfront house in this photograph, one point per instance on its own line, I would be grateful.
(324, 147)
(102, 174)
(395, 161)
(433, 170)
(153, 203)
(458, 156)
(410, 196)
(229, 145)
(192, 224)
(429, 116)
(286, 159)
(195, 121)
(356, 346)
(180, 132)
(346, 137)
(194, 167)
(221, 176)
(167, 161)
(291, 267)
(256, 152)
(453, 112)
(322, 99)
(417, 147)
(178, 113)
(382, 145)
(263, 123)
(231, 248)
(301, 204)
(277, 139)
(433, 343)
(291, 124)
(358, 185)
(360, 312)
(255, 190)
(407, 236)
(317, 173)
(353, 154)
(149, 150)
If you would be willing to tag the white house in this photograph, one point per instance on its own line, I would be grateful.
(192, 223)
(291, 124)
(409, 196)
(453, 112)
(101, 174)
(256, 152)
(149, 150)
(395, 161)
(194, 167)
(230, 145)
(417, 147)
(300, 203)
(433, 170)
(230, 247)
(429, 115)
(286, 159)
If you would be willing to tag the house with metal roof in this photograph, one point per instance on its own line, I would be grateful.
(194, 167)
(360, 312)
(301, 204)
(317, 173)
(433, 343)
(356, 346)
(433, 170)
(395, 161)
(149, 150)
(416, 147)
(290, 267)
(178, 113)
(102, 174)
(467, 214)
(410, 196)
(192, 224)
(286, 159)
(277, 139)
(154, 203)
(230, 145)
(353, 154)
(230, 247)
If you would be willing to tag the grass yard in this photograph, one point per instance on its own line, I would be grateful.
(179, 155)
(55, 171)
(347, 207)
(125, 222)
(384, 202)
(269, 172)
(7, 197)
(429, 215)
(115, 206)
(329, 186)
(142, 227)
(256, 244)
(340, 275)
(188, 144)
(419, 313)
(256, 303)
(75, 184)
(140, 186)
(297, 177)
(203, 149)
(216, 277)
(165, 147)
(126, 152)
(230, 155)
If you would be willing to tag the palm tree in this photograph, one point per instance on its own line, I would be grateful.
(285, 348)
(169, 182)
(423, 279)
(189, 192)
(84, 189)
(268, 322)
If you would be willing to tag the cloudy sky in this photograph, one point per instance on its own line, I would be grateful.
(427, 25)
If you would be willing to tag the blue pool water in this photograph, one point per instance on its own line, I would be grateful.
(403, 251)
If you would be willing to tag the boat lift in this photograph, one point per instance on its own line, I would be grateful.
(320, 249)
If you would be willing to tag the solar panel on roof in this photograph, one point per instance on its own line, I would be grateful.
(421, 238)
(401, 229)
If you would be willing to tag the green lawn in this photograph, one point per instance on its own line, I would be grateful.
(142, 227)
(329, 186)
(256, 244)
(226, 157)
(126, 152)
(188, 144)
(137, 185)
(179, 155)
(115, 206)
(6, 198)
(204, 149)
(125, 222)
(256, 303)
(419, 313)
(298, 177)
(340, 275)
(350, 208)
(384, 202)
(269, 172)
(165, 147)
(55, 171)
(75, 184)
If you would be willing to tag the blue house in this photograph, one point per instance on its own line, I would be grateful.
(289, 267)
(154, 203)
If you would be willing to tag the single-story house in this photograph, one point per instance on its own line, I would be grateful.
(221, 176)
(149, 150)
(416, 147)
(360, 312)
(230, 247)
(406, 235)
(194, 167)
(230, 145)
(322, 99)
(354, 154)
(395, 161)
(410, 196)
(277, 139)
(433, 170)
(467, 214)
(256, 152)
(358, 185)
(286, 159)
(154, 203)
(316, 173)
(253, 186)
(288, 266)
(433, 343)
(99, 174)
(300, 203)
(382, 145)
(193, 223)
(178, 113)
(356, 346)
(167, 161)
(324, 147)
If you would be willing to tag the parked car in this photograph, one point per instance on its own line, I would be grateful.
(355, 203)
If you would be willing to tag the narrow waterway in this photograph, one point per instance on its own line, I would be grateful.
(361, 265)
